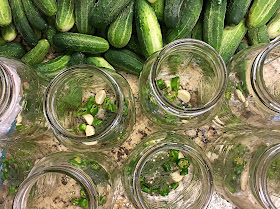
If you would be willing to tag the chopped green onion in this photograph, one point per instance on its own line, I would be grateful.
(75, 201)
(184, 172)
(83, 203)
(102, 199)
(166, 166)
(160, 83)
(171, 96)
(175, 83)
(183, 163)
(106, 102)
(94, 109)
(155, 190)
(84, 164)
(141, 180)
(112, 107)
(173, 155)
(174, 185)
(97, 121)
(74, 162)
(145, 189)
(83, 194)
(82, 127)
(90, 102)
(83, 111)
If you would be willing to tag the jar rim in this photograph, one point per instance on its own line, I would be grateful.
(188, 112)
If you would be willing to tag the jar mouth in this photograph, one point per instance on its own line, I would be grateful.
(217, 64)
(21, 198)
(204, 197)
(51, 93)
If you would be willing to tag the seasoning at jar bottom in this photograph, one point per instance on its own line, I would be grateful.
(167, 170)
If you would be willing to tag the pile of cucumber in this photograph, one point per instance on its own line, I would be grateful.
(121, 34)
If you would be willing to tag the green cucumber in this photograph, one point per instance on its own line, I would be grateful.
(172, 10)
(12, 49)
(2, 41)
(37, 54)
(38, 33)
(232, 36)
(152, 1)
(5, 13)
(120, 30)
(34, 16)
(77, 58)
(125, 60)
(236, 11)
(48, 7)
(53, 67)
(197, 32)
(241, 46)
(261, 12)
(65, 15)
(134, 46)
(9, 32)
(99, 62)
(213, 25)
(258, 35)
(22, 23)
(159, 9)
(50, 32)
(273, 27)
(105, 11)
(80, 42)
(190, 13)
(82, 12)
(148, 28)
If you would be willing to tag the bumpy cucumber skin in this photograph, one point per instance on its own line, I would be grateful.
(172, 12)
(13, 49)
(258, 35)
(125, 60)
(120, 30)
(65, 15)
(159, 9)
(197, 32)
(261, 12)
(232, 36)
(82, 14)
(241, 46)
(213, 24)
(34, 16)
(80, 42)
(22, 23)
(48, 7)
(134, 46)
(190, 13)
(99, 62)
(148, 28)
(236, 11)
(105, 11)
(5, 13)
(9, 32)
(77, 58)
(273, 27)
(37, 54)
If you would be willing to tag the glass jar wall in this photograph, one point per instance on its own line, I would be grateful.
(167, 170)
(90, 108)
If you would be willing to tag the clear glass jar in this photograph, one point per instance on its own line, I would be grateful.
(16, 161)
(253, 97)
(202, 75)
(153, 175)
(70, 180)
(70, 91)
(246, 169)
(21, 100)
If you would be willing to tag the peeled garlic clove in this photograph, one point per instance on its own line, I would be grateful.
(88, 118)
(176, 176)
(90, 143)
(90, 131)
(167, 83)
(100, 96)
(184, 95)
(180, 155)
(240, 95)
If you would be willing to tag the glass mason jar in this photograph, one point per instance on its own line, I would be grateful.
(167, 170)
(246, 169)
(71, 99)
(183, 85)
(253, 97)
(70, 180)
(16, 161)
(21, 104)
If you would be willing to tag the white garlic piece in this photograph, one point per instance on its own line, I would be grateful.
(100, 96)
(88, 118)
(90, 131)
(184, 95)
(180, 155)
(240, 95)
(176, 176)
(167, 83)
(90, 143)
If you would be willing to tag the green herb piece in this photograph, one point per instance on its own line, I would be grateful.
(155, 190)
(76, 202)
(90, 102)
(173, 155)
(20, 128)
(183, 163)
(174, 185)
(145, 189)
(106, 102)
(164, 190)
(83, 194)
(94, 109)
(179, 105)
(83, 111)
(102, 199)
(82, 127)
(83, 164)
(74, 162)
(175, 83)
(160, 83)
(83, 203)
(12, 190)
(184, 172)
(97, 122)
(112, 107)
(166, 166)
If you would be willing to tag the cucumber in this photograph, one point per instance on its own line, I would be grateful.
(159, 9)
(38, 33)
(5, 13)
(213, 24)
(120, 30)
(77, 58)
(22, 23)
(34, 16)
(37, 54)
(99, 62)
(65, 15)
(190, 13)
(172, 10)
(134, 46)
(48, 7)
(197, 32)
(232, 35)
(241, 46)
(261, 12)
(105, 11)
(258, 35)
(80, 42)
(152, 1)
(53, 67)
(13, 49)
(9, 32)
(236, 11)
(2, 41)
(125, 60)
(82, 12)
(273, 27)
(148, 28)
(50, 32)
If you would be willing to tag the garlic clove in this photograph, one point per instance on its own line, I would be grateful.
(100, 96)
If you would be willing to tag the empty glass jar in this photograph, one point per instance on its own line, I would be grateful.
(90, 108)
(167, 170)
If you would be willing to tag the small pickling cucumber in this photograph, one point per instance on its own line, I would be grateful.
(258, 35)
(159, 9)
(99, 62)
(236, 11)
(148, 28)
(48, 7)
(12, 49)
(5, 13)
(9, 32)
(38, 33)
(197, 32)
(37, 54)
(65, 15)
(125, 60)
(80, 42)
(82, 14)
(120, 30)
(172, 10)
(77, 58)
(134, 46)
(50, 32)
(2, 41)
(273, 27)
(241, 46)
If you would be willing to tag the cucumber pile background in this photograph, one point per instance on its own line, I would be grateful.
(121, 34)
